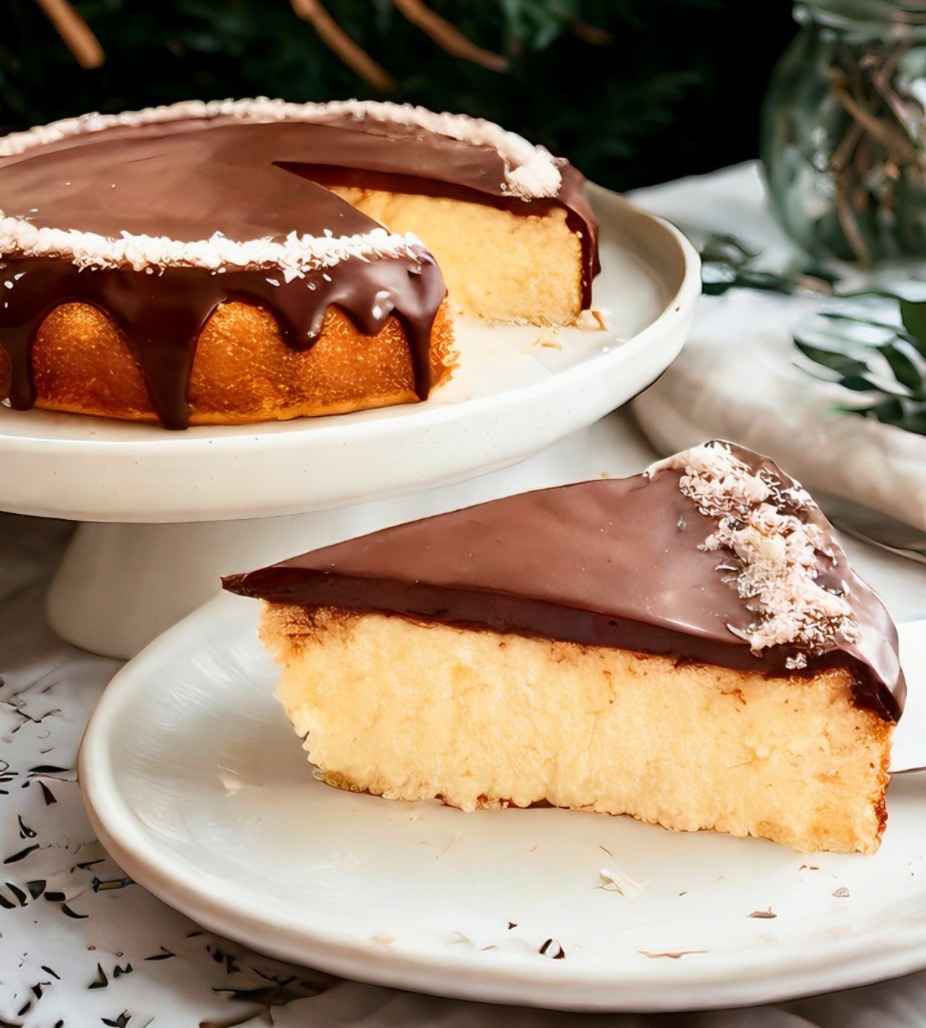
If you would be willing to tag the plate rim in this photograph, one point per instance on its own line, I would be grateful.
(670, 985)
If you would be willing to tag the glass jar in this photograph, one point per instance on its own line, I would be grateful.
(844, 131)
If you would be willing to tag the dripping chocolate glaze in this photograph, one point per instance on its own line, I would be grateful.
(161, 315)
(608, 563)
(186, 180)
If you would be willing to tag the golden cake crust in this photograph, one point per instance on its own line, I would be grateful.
(242, 371)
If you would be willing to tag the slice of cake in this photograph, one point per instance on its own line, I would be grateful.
(688, 646)
(256, 260)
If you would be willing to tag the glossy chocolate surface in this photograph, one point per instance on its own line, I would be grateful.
(188, 179)
(613, 562)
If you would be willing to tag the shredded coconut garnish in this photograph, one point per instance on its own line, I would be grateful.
(619, 882)
(777, 553)
(295, 256)
(530, 173)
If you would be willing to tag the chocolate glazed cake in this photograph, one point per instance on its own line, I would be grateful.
(228, 262)
(688, 646)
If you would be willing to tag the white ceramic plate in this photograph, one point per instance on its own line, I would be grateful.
(196, 784)
(517, 390)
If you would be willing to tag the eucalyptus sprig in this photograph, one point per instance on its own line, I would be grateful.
(867, 341)
(728, 263)
(874, 345)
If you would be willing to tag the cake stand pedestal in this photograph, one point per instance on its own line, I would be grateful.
(167, 513)
(120, 585)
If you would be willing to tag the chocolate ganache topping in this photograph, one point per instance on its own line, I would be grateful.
(714, 555)
(159, 216)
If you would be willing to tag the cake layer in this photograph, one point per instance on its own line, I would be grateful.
(501, 266)
(414, 711)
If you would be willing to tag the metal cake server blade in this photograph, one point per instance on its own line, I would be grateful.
(872, 526)
(908, 752)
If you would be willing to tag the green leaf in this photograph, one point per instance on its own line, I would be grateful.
(767, 281)
(727, 249)
(890, 411)
(905, 371)
(820, 272)
(832, 359)
(913, 316)
(859, 384)
(855, 362)
(860, 319)
(895, 412)
(717, 288)
(728, 263)
(914, 421)
(718, 277)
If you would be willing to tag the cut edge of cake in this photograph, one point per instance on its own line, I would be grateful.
(415, 715)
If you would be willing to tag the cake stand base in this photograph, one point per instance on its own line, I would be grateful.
(120, 585)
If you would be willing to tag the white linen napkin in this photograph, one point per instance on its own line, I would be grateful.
(738, 378)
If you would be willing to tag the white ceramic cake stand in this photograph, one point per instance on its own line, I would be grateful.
(164, 514)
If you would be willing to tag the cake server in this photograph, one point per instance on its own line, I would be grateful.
(908, 752)
(873, 526)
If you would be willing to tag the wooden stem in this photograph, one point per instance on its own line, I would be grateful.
(590, 34)
(448, 36)
(888, 135)
(75, 32)
(337, 40)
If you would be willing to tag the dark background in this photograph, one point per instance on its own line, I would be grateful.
(676, 90)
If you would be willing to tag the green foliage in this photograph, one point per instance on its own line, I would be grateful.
(625, 112)
(874, 343)
(871, 342)
(727, 263)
